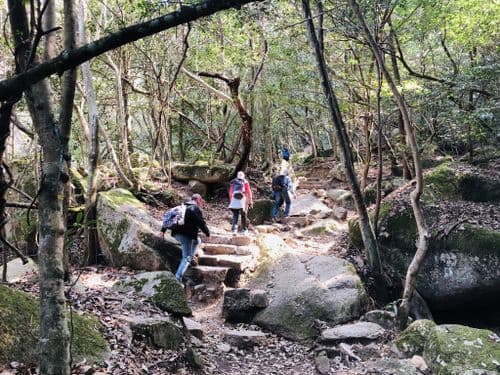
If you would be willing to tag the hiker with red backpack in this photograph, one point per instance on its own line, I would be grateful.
(240, 200)
(185, 222)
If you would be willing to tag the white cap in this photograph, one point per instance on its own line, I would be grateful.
(241, 175)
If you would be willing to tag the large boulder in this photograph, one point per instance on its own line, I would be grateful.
(204, 173)
(20, 325)
(452, 349)
(129, 236)
(303, 288)
(461, 271)
(310, 204)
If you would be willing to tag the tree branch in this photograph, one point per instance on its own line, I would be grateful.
(11, 87)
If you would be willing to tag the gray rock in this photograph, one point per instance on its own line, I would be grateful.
(306, 204)
(383, 318)
(356, 332)
(305, 288)
(340, 213)
(194, 359)
(322, 363)
(159, 331)
(387, 366)
(193, 327)
(16, 269)
(162, 289)
(198, 187)
(243, 339)
(128, 235)
(224, 348)
(241, 305)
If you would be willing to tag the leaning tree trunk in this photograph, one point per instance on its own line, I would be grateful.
(423, 235)
(367, 234)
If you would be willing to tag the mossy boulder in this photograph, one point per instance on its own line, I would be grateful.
(302, 288)
(204, 173)
(450, 182)
(129, 236)
(451, 349)
(20, 325)
(162, 289)
(261, 211)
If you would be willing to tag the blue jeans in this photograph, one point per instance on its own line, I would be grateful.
(234, 221)
(280, 197)
(189, 247)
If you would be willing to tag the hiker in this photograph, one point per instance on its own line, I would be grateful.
(186, 232)
(240, 200)
(285, 153)
(283, 188)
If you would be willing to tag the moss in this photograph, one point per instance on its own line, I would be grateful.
(450, 349)
(441, 183)
(170, 296)
(137, 284)
(20, 324)
(120, 197)
(354, 229)
(413, 339)
(474, 241)
(261, 211)
(478, 189)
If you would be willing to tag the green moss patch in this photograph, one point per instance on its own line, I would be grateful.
(170, 296)
(120, 197)
(20, 324)
(450, 349)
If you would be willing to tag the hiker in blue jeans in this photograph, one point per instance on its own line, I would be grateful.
(187, 233)
(282, 187)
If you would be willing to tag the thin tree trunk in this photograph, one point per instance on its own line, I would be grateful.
(423, 235)
(92, 244)
(367, 234)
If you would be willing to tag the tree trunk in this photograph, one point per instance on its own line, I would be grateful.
(92, 244)
(367, 234)
(423, 235)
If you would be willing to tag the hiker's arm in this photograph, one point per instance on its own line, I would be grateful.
(249, 195)
(200, 221)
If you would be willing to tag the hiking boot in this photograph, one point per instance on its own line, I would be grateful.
(245, 232)
(234, 232)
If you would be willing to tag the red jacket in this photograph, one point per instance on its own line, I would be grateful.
(246, 190)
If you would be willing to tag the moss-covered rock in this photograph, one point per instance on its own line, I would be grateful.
(324, 287)
(128, 235)
(207, 174)
(162, 289)
(451, 349)
(261, 211)
(20, 325)
(447, 182)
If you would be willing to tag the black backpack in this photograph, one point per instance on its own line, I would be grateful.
(278, 183)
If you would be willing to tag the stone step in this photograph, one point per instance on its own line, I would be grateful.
(208, 275)
(238, 240)
(223, 249)
(236, 262)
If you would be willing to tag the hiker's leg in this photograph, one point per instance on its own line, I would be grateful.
(186, 251)
(234, 221)
(276, 205)
(288, 202)
(243, 220)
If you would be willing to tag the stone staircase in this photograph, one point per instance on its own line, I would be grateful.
(222, 259)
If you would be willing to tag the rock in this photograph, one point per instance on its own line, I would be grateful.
(385, 319)
(194, 359)
(203, 173)
(159, 331)
(224, 348)
(306, 204)
(450, 348)
(20, 326)
(304, 288)
(387, 366)
(198, 187)
(16, 269)
(419, 364)
(340, 213)
(322, 363)
(299, 221)
(193, 327)
(162, 289)
(352, 333)
(320, 227)
(128, 235)
(243, 339)
(241, 305)
(261, 211)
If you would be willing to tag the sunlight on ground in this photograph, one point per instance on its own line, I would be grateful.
(96, 281)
